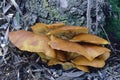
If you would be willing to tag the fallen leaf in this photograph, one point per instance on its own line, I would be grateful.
(68, 32)
(89, 38)
(29, 41)
(64, 45)
(98, 63)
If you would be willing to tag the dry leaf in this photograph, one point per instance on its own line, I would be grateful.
(64, 45)
(95, 50)
(98, 63)
(41, 28)
(68, 32)
(89, 38)
(29, 41)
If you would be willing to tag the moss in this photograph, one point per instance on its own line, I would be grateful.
(113, 23)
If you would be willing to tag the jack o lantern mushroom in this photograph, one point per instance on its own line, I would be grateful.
(28, 41)
(69, 46)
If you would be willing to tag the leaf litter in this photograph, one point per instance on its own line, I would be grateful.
(19, 65)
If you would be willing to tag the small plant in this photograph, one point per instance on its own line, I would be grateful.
(70, 46)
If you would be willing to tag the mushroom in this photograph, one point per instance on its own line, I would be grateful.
(97, 62)
(64, 45)
(89, 38)
(61, 55)
(69, 46)
(68, 32)
(41, 28)
(95, 50)
(28, 41)
(83, 68)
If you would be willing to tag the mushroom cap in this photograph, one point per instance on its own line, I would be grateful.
(41, 28)
(89, 38)
(68, 32)
(64, 45)
(98, 63)
(28, 41)
(55, 25)
(105, 56)
(83, 68)
(95, 50)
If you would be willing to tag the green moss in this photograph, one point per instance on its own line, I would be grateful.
(113, 23)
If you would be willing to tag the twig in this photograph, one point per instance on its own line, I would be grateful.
(107, 38)
(88, 14)
(97, 10)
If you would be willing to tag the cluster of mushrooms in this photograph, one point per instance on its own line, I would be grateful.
(69, 46)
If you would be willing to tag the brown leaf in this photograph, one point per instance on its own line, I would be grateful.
(68, 32)
(89, 38)
(64, 45)
(29, 41)
(41, 28)
(95, 50)
(98, 63)
(83, 68)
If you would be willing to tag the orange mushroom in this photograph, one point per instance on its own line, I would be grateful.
(89, 38)
(55, 25)
(98, 63)
(61, 55)
(64, 45)
(41, 28)
(104, 56)
(57, 44)
(68, 32)
(29, 41)
(83, 68)
(95, 50)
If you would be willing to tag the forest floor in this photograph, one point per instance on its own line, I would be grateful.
(21, 65)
